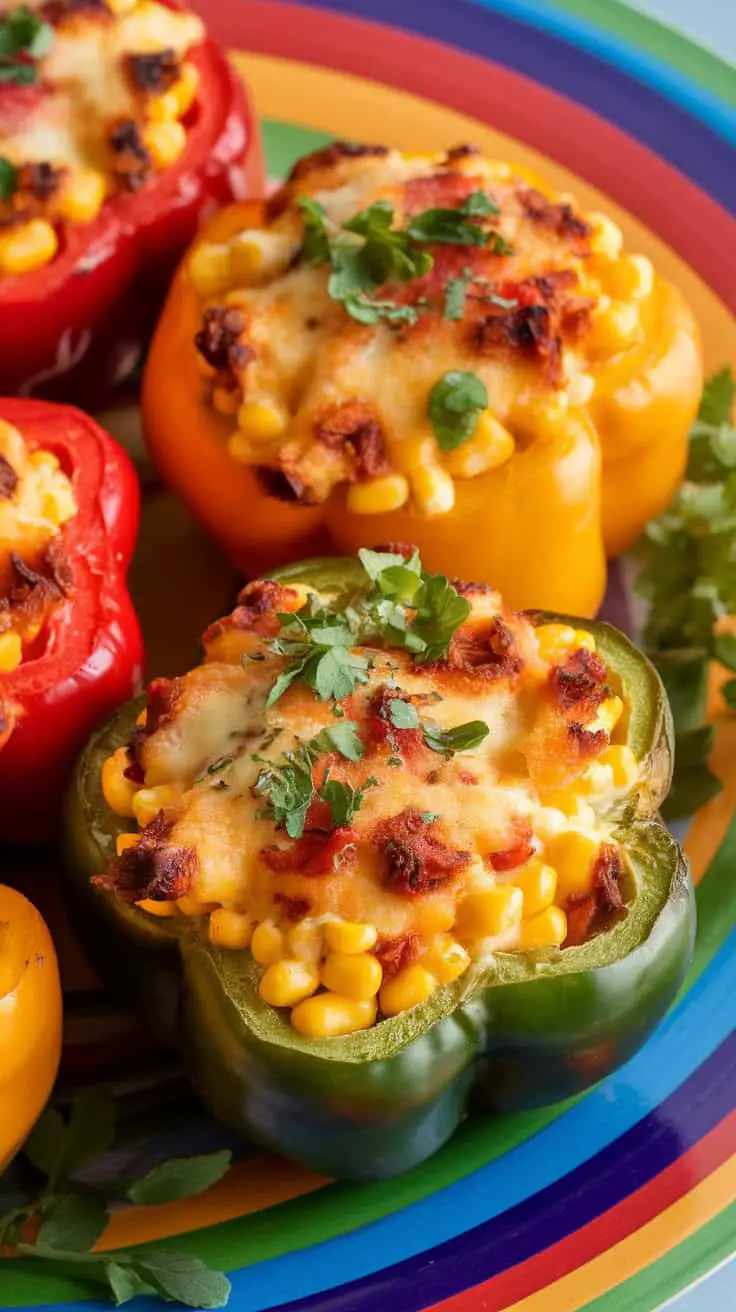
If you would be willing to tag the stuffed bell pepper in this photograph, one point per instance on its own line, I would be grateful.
(390, 847)
(30, 1019)
(70, 645)
(121, 126)
(424, 349)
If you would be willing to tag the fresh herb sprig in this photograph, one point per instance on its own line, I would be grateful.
(688, 576)
(460, 738)
(64, 1223)
(455, 405)
(387, 254)
(24, 39)
(288, 785)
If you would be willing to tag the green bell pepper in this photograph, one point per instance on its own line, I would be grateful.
(522, 1030)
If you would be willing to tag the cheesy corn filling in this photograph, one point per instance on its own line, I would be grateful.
(105, 112)
(402, 322)
(36, 500)
(371, 798)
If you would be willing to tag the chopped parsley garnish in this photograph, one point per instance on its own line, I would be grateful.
(455, 295)
(287, 784)
(319, 647)
(461, 738)
(403, 714)
(387, 254)
(455, 405)
(428, 817)
(689, 579)
(24, 38)
(8, 178)
(344, 800)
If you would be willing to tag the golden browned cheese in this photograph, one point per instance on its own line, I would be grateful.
(432, 828)
(319, 398)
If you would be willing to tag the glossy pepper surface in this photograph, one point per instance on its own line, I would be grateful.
(30, 1019)
(537, 525)
(88, 655)
(517, 1030)
(74, 327)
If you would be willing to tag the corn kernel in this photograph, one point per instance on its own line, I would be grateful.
(82, 196)
(623, 763)
(406, 989)
(230, 929)
(328, 1015)
(11, 652)
(267, 943)
(209, 269)
(246, 259)
(379, 495)
(497, 169)
(161, 909)
(352, 974)
(28, 246)
(608, 714)
(193, 906)
(631, 277)
(125, 841)
(566, 800)
(485, 915)
(305, 941)
(121, 6)
(165, 142)
(573, 856)
(45, 460)
(262, 421)
(555, 642)
(58, 503)
(446, 959)
(349, 936)
(147, 802)
(490, 447)
(285, 983)
(178, 100)
(606, 238)
(433, 490)
(118, 791)
(614, 327)
(226, 400)
(538, 883)
(580, 389)
(547, 930)
(541, 415)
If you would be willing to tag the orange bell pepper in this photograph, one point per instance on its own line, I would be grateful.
(30, 1019)
(539, 527)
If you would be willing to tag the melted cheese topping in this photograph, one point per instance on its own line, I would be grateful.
(325, 399)
(36, 500)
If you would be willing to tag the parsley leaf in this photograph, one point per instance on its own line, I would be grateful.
(455, 227)
(319, 646)
(288, 785)
(462, 738)
(24, 37)
(455, 292)
(403, 715)
(316, 241)
(388, 252)
(455, 405)
(377, 564)
(344, 800)
(8, 178)
(366, 309)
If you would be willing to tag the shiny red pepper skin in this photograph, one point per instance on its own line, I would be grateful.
(70, 330)
(91, 657)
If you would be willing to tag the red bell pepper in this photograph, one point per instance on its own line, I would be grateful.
(88, 657)
(73, 328)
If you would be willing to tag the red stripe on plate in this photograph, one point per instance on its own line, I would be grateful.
(604, 1232)
(697, 227)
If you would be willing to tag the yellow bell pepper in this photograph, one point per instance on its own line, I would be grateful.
(555, 477)
(30, 1019)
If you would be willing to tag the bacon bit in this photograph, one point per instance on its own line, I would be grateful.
(405, 549)
(607, 879)
(153, 71)
(471, 589)
(8, 479)
(151, 869)
(33, 593)
(295, 908)
(447, 190)
(57, 10)
(456, 153)
(134, 771)
(560, 216)
(354, 424)
(395, 953)
(407, 743)
(41, 180)
(132, 159)
(312, 854)
(585, 742)
(163, 695)
(218, 340)
(588, 915)
(418, 861)
(544, 313)
(328, 156)
(466, 777)
(257, 610)
(284, 484)
(510, 858)
(488, 651)
(579, 684)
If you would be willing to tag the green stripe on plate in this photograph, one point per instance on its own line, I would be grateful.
(677, 1270)
(285, 142)
(697, 63)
